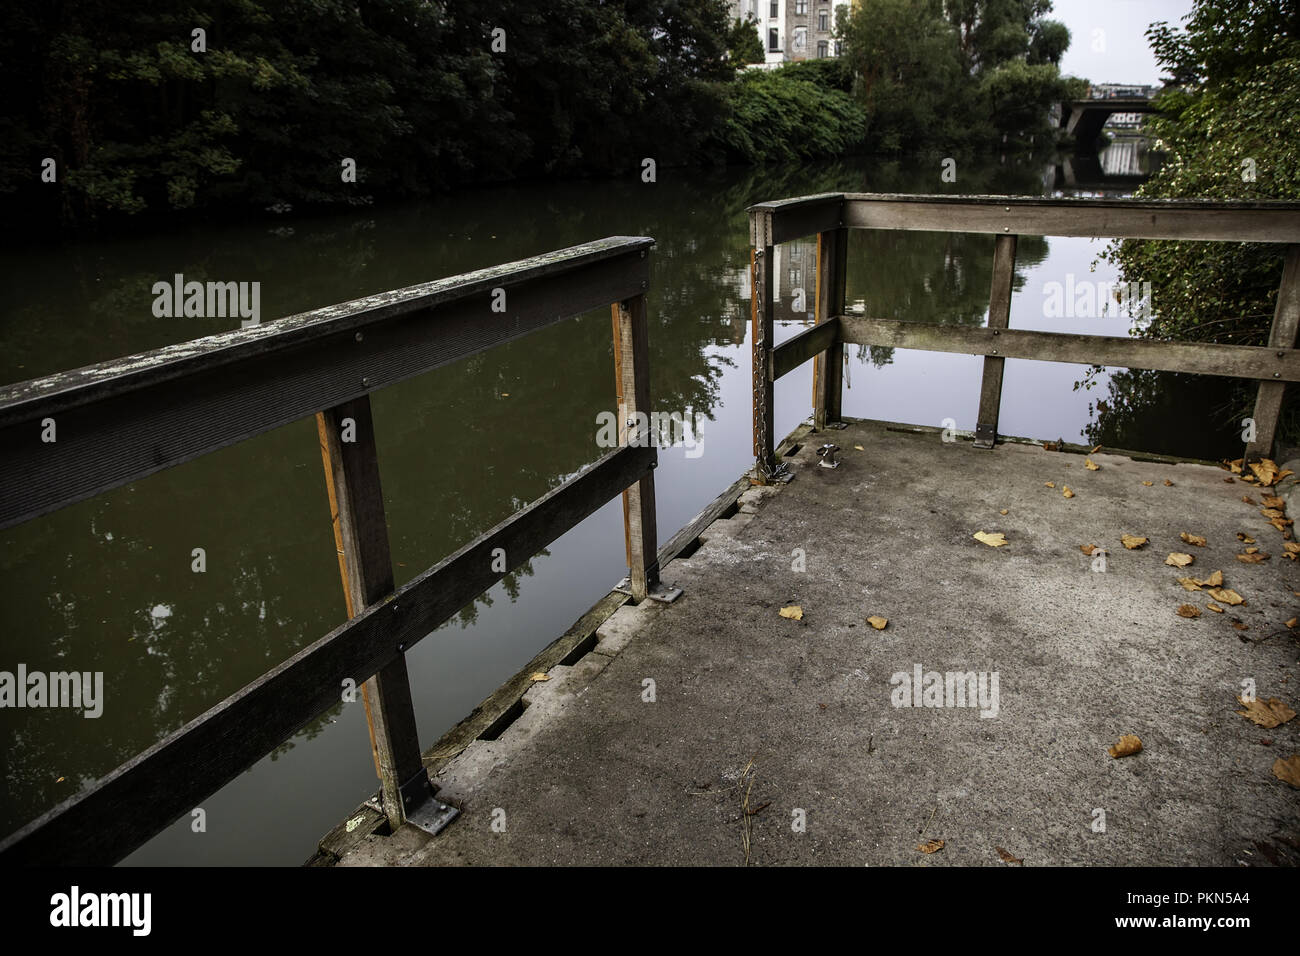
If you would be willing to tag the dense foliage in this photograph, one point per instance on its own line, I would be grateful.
(956, 73)
(1230, 125)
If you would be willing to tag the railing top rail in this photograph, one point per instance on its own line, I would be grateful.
(131, 417)
(21, 400)
(1197, 219)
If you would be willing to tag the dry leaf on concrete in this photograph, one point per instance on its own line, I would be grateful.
(1227, 596)
(931, 846)
(878, 622)
(1128, 745)
(1067, 493)
(1091, 465)
(1049, 484)
(1265, 470)
(1003, 511)
(994, 539)
(1214, 607)
(540, 676)
(1272, 501)
(1192, 539)
(1213, 581)
(1178, 559)
(1148, 483)
(794, 612)
(1132, 541)
(1252, 556)
(1288, 771)
(1087, 548)
(1189, 610)
(1190, 584)
(1242, 536)
(1168, 483)
(1007, 857)
(1266, 713)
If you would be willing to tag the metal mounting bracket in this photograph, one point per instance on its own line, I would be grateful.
(663, 593)
(985, 435)
(421, 807)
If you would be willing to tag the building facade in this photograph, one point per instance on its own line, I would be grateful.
(792, 30)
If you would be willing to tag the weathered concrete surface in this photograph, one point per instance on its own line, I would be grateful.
(593, 773)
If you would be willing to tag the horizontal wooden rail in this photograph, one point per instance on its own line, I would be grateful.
(771, 223)
(793, 352)
(1092, 218)
(1204, 358)
(128, 806)
(121, 420)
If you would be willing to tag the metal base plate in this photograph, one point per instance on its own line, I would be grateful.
(837, 425)
(431, 816)
(663, 593)
(985, 436)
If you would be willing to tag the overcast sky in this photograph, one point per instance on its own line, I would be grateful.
(1120, 54)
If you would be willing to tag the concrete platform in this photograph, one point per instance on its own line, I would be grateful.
(758, 723)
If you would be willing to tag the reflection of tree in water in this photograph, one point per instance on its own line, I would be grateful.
(1168, 413)
(461, 448)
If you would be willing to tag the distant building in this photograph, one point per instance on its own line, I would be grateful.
(792, 30)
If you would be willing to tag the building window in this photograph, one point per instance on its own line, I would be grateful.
(800, 43)
(823, 21)
(773, 40)
(839, 48)
(823, 49)
(801, 7)
(773, 10)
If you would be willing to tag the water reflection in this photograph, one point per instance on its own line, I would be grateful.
(107, 584)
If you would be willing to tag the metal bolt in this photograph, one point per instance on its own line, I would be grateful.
(365, 381)
(1280, 354)
(1007, 208)
(401, 647)
(359, 336)
(642, 253)
(1006, 228)
(1277, 374)
(994, 352)
(997, 331)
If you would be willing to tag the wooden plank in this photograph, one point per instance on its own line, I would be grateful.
(682, 539)
(638, 500)
(143, 796)
(771, 223)
(761, 331)
(796, 350)
(1282, 335)
(1095, 218)
(122, 420)
(351, 460)
(1202, 358)
(828, 367)
(1004, 274)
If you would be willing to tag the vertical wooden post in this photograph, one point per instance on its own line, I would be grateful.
(632, 358)
(761, 292)
(828, 366)
(1004, 273)
(1286, 320)
(361, 536)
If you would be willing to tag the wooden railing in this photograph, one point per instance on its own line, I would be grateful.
(831, 216)
(122, 420)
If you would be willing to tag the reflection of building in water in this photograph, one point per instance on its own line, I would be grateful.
(1120, 158)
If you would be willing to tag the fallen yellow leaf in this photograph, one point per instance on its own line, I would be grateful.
(1227, 596)
(1193, 539)
(1288, 770)
(1148, 483)
(1272, 501)
(1132, 541)
(859, 448)
(1242, 536)
(540, 676)
(1268, 714)
(1087, 548)
(1091, 465)
(1188, 610)
(793, 613)
(994, 539)
(1007, 857)
(1095, 449)
(1190, 584)
(1049, 484)
(1128, 745)
(1252, 556)
(878, 622)
(1067, 493)
(1003, 511)
(932, 846)
(1178, 559)
(1168, 483)
(1215, 608)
